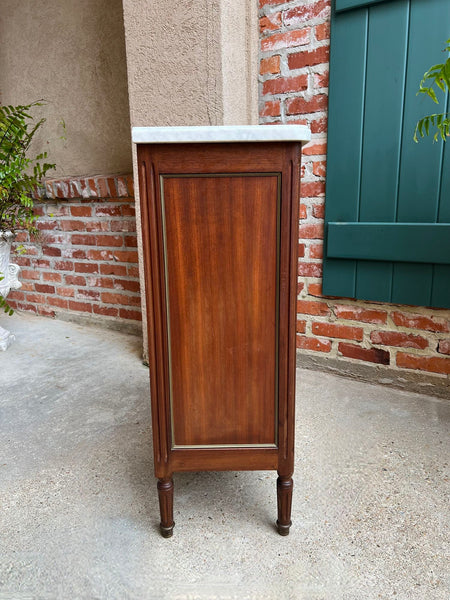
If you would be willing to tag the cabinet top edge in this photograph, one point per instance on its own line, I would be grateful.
(221, 133)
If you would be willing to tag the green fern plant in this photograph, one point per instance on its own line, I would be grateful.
(20, 174)
(439, 76)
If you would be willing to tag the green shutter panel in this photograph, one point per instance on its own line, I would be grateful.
(347, 4)
(388, 198)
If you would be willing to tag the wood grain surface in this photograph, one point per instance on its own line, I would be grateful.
(221, 250)
(219, 282)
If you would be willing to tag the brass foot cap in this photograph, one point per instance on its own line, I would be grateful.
(283, 529)
(167, 532)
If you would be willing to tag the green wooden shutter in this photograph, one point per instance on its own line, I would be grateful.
(388, 198)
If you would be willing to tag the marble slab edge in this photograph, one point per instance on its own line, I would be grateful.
(221, 133)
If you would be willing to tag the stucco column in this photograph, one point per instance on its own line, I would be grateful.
(190, 62)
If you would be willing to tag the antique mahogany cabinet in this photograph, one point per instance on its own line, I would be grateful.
(219, 208)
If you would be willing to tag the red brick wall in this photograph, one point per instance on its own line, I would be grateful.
(85, 259)
(293, 89)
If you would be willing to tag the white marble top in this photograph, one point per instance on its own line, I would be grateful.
(222, 133)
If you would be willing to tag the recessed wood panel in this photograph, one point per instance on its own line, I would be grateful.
(221, 253)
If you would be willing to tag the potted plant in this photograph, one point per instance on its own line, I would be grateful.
(20, 174)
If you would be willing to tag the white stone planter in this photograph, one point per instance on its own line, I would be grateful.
(10, 281)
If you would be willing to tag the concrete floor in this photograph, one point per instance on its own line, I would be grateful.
(79, 510)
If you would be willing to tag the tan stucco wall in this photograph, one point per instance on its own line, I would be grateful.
(190, 62)
(72, 53)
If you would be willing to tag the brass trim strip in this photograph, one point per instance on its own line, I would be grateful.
(277, 309)
(277, 174)
(166, 283)
(195, 175)
(218, 446)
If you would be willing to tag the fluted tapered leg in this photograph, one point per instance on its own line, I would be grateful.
(165, 495)
(285, 485)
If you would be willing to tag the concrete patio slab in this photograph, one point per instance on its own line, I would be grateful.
(79, 509)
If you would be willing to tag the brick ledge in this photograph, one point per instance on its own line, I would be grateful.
(94, 186)
(427, 384)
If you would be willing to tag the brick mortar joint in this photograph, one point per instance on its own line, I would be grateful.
(379, 306)
(432, 337)
(388, 326)
(268, 9)
(392, 366)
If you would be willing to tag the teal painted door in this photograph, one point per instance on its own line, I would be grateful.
(388, 199)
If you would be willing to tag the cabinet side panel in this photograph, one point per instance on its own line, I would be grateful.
(221, 252)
